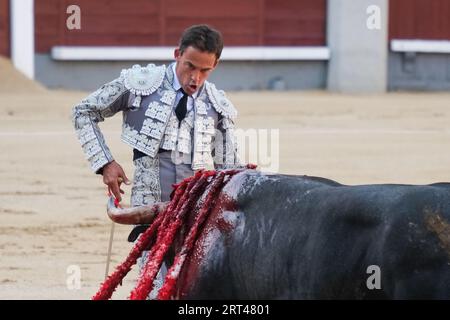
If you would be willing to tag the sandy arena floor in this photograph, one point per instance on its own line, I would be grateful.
(52, 207)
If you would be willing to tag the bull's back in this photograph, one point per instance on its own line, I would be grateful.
(287, 237)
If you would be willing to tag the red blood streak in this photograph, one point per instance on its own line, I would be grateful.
(214, 227)
(163, 243)
(167, 290)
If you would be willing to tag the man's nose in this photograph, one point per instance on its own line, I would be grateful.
(195, 76)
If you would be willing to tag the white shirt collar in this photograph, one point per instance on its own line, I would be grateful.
(176, 84)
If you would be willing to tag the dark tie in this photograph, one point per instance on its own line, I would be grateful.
(181, 108)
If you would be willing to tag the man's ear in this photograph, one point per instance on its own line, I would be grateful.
(216, 63)
(176, 53)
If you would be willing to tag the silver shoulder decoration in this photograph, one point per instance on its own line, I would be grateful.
(220, 101)
(143, 81)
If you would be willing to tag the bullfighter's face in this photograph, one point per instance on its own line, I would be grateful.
(193, 68)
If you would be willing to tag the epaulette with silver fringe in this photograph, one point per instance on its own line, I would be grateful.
(143, 81)
(220, 101)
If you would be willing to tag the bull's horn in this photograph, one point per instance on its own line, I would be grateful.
(134, 215)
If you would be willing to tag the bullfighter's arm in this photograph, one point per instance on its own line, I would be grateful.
(225, 145)
(105, 102)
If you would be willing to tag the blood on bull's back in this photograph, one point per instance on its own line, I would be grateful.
(299, 237)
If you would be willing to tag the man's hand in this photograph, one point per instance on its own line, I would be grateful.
(113, 176)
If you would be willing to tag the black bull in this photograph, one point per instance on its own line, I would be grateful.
(300, 237)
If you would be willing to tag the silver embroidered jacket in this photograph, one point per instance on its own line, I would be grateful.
(146, 97)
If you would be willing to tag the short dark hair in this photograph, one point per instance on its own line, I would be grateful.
(203, 38)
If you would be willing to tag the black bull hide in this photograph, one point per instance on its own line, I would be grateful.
(300, 237)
